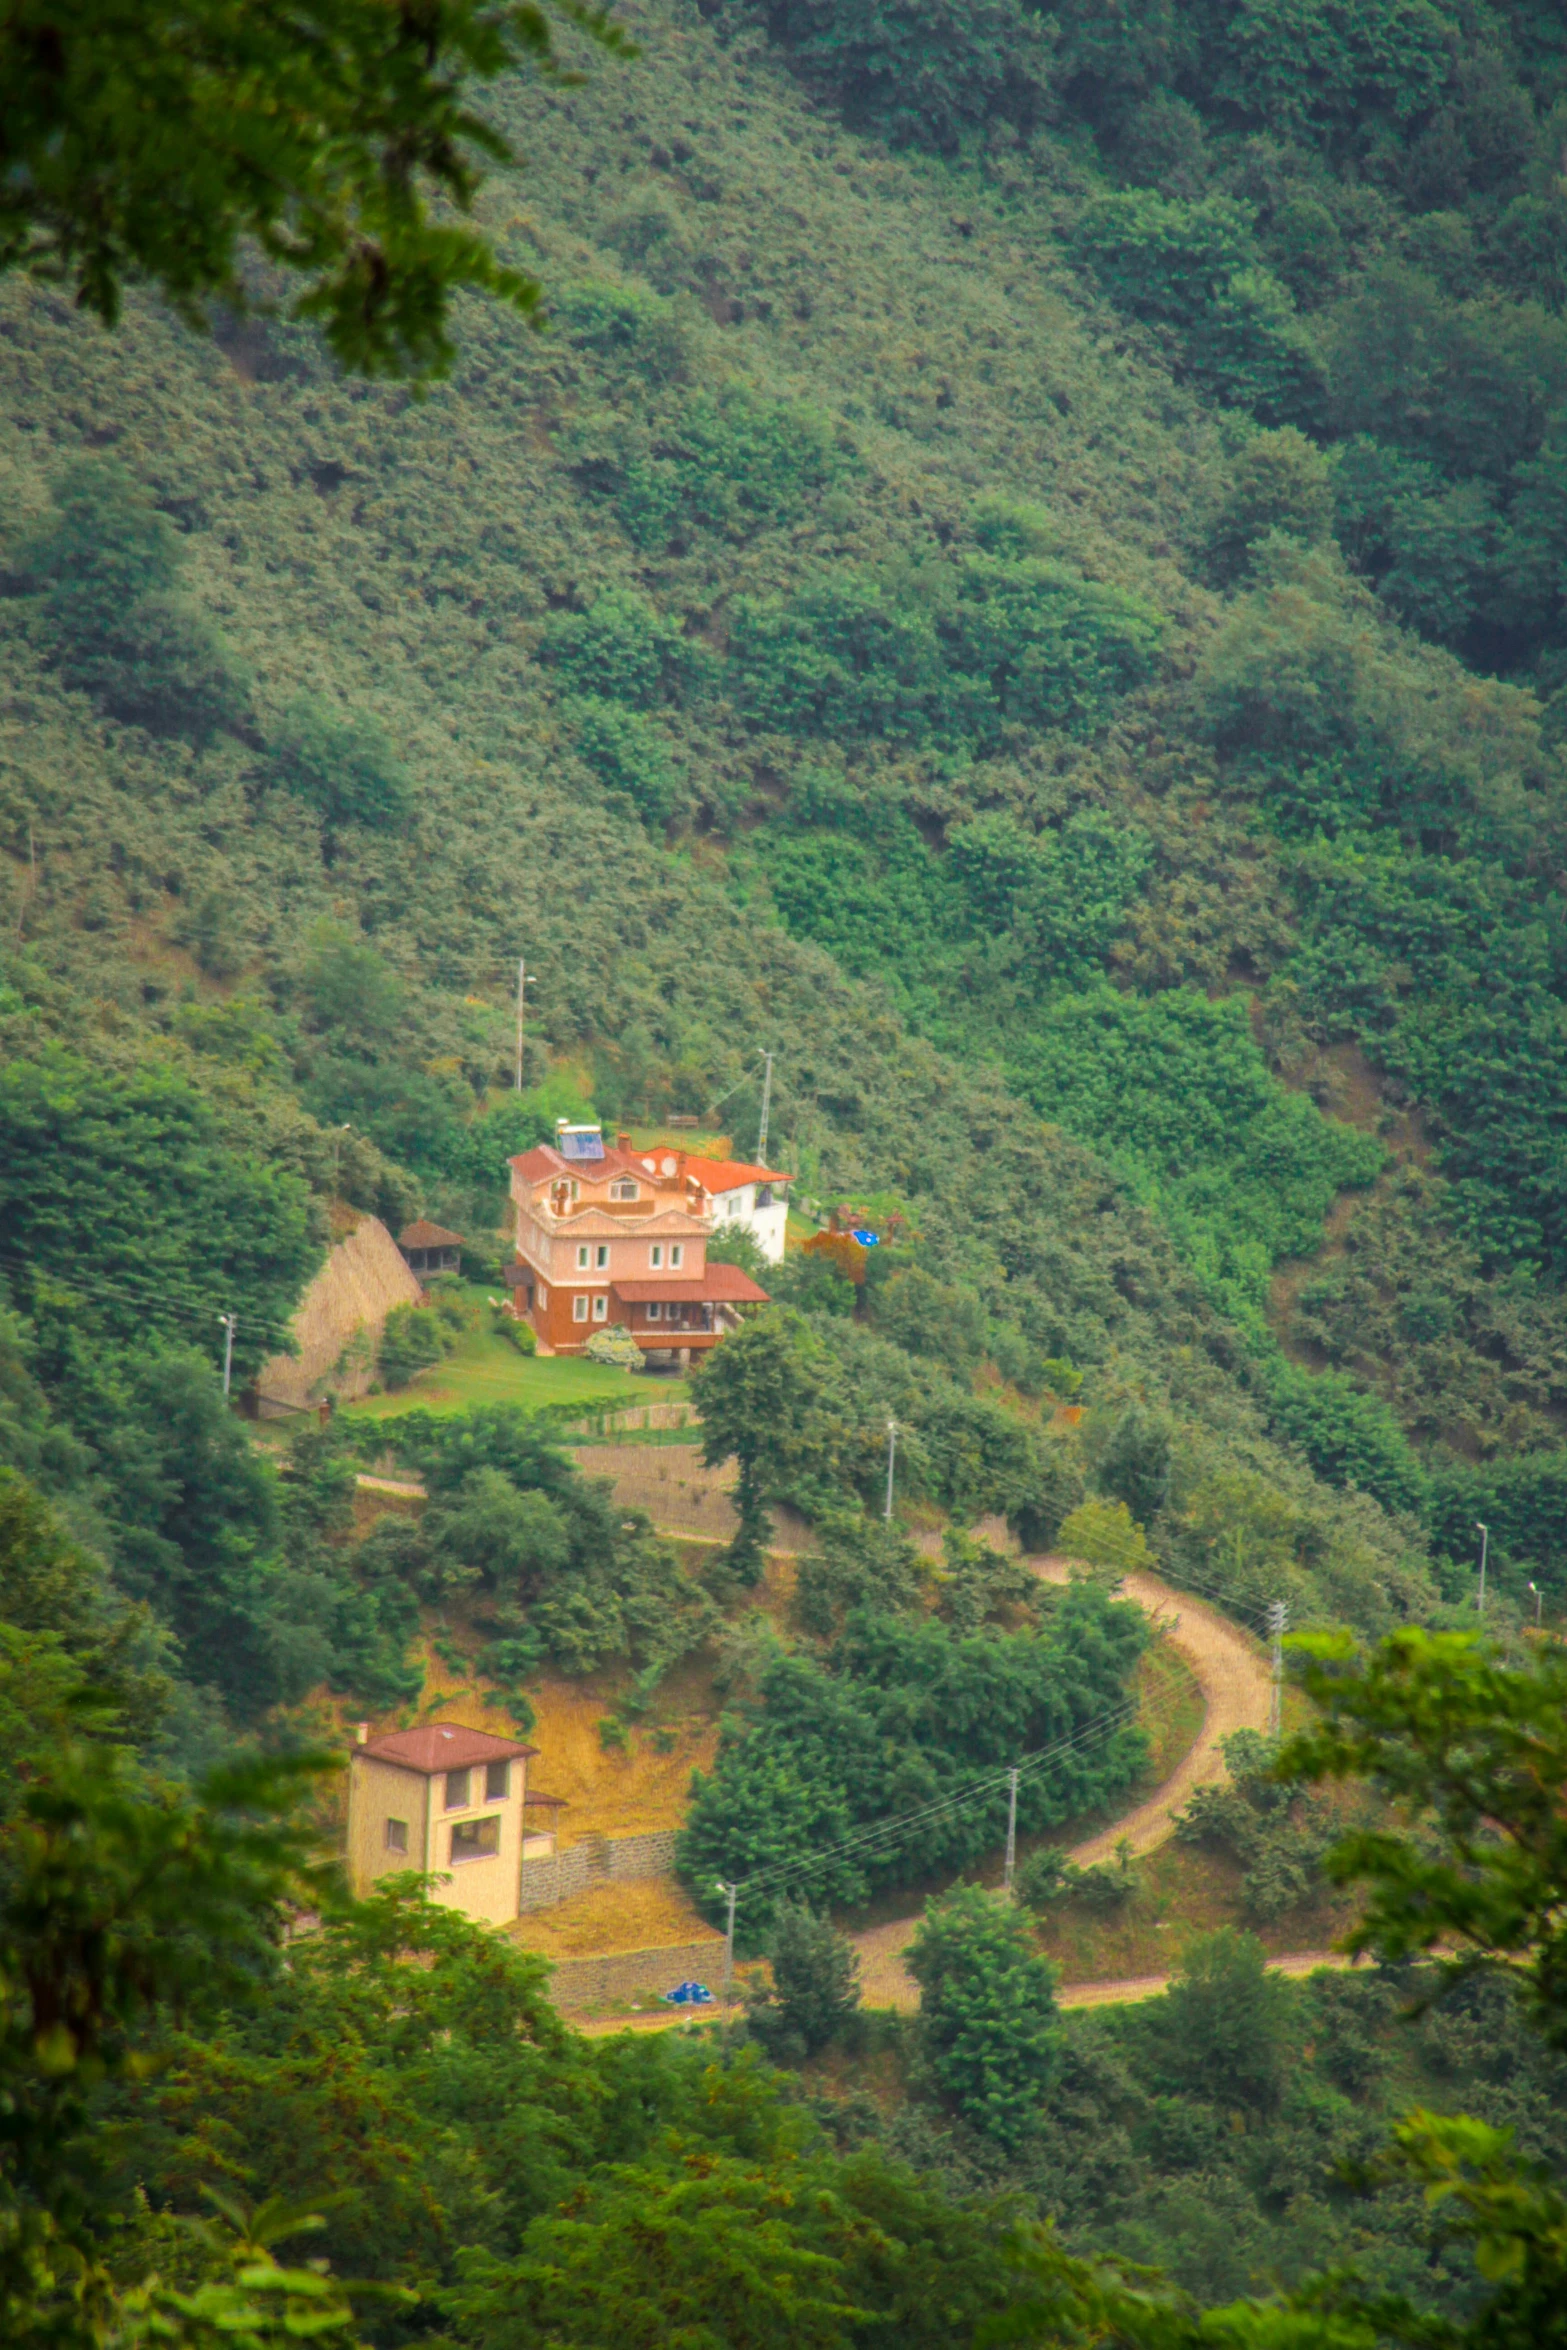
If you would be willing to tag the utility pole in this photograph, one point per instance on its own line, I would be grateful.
(523, 977)
(767, 1096)
(228, 1321)
(1278, 1618)
(1484, 1533)
(1010, 1863)
(892, 1454)
(732, 1895)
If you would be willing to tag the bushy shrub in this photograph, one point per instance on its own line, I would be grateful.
(630, 756)
(1194, 266)
(616, 1348)
(1349, 1437)
(842, 655)
(108, 566)
(344, 767)
(993, 642)
(412, 1339)
(1104, 1534)
(1280, 481)
(731, 461)
(922, 72)
(620, 650)
(1036, 644)
(623, 325)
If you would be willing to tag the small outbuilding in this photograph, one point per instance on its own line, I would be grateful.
(430, 1249)
(449, 1802)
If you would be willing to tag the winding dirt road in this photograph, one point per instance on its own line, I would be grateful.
(1233, 1675)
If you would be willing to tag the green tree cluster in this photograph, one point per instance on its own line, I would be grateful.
(903, 1714)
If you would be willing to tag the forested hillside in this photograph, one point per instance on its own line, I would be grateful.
(1020, 572)
(966, 593)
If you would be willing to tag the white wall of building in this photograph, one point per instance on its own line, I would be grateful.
(767, 1224)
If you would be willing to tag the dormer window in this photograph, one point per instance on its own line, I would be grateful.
(624, 1190)
(669, 1166)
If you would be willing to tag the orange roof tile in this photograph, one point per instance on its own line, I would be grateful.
(720, 1175)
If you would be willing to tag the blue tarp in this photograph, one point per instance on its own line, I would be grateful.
(868, 1239)
(689, 1995)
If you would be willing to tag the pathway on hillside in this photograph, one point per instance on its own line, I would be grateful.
(1124, 1991)
(1232, 1673)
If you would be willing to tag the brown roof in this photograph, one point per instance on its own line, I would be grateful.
(443, 1746)
(720, 1285)
(423, 1234)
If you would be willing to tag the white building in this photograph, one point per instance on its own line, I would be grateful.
(754, 1197)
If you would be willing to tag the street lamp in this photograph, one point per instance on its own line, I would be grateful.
(1538, 1598)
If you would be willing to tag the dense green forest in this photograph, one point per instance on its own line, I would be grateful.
(1021, 569)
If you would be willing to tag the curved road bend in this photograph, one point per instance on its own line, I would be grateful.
(1232, 1673)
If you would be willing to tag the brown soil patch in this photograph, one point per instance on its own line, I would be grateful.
(641, 1916)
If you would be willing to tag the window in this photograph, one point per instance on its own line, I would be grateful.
(622, 1191)
(579, 1309)
(497, 1777)
(668, 1166)
(601, 1309)
(655, 1256)
(601, 1256)
(476, 1839)
(764, 1195)
(397, 1835)
(677, 1254)
(457, 1789)
(582, 1257)
(655, 1313)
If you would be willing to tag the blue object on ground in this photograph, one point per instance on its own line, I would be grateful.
(689, 1995)
(868, 1239)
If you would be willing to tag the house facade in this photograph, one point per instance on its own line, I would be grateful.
(448, 1802)
(611, 1236)
(756, 1198)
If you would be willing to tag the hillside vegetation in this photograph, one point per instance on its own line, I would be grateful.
(966, 594)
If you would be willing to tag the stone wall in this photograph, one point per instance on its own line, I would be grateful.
(596, 1860)
(339, 1321)
(581, 1984)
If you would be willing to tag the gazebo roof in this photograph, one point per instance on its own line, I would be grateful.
(424, 1234)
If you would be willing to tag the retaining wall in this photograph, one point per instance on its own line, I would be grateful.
(596, 1860)
(579, 1984)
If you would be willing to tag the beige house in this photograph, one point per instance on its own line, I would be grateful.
(448, 1802)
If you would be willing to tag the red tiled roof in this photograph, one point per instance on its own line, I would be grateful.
(443, 1746)
(424, 1234)
(720, 1285)
(718, 1175)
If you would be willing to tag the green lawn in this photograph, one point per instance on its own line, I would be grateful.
(486, 1369)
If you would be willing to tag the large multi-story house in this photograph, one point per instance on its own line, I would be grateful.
(608, 1235)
